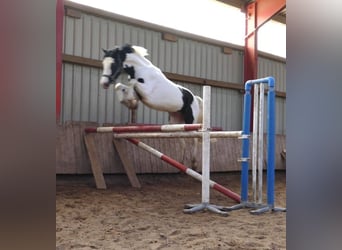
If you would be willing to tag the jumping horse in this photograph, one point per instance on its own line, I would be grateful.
(148, 84)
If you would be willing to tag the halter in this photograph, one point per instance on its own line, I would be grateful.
(110, 78)
(115, 74)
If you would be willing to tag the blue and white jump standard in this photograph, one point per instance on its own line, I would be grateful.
(258, 145)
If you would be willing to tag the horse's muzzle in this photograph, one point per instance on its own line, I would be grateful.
(105, 81)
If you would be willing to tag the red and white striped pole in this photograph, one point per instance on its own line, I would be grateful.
(185, 169)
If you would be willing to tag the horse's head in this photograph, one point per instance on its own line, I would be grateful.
(113, 63)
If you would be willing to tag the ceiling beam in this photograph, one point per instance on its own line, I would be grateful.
(258, 12)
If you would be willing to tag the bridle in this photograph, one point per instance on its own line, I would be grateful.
(114, 75)
(110, 78)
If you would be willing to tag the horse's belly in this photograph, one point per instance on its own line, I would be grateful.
(163, 104)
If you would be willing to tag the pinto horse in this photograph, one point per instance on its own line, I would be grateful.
(147, 83)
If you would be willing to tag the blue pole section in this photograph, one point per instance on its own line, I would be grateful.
(271, 142)
(245, 142)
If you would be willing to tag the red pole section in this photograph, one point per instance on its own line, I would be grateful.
(188, 171)
(145, 128)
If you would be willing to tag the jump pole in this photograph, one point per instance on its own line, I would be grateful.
(189, 134)
(183, 168)
(145, 128)
(205, 205)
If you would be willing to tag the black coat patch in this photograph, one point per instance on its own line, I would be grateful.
(141, 80)
(130, 71)
(186, 110)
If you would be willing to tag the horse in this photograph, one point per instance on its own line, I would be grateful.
(148, 84)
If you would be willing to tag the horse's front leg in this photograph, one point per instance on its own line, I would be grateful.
(127, 95)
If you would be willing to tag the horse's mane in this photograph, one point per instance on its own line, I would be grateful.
(140, 51)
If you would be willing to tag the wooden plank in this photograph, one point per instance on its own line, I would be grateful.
(95, 162)
(169, 37)
(73, 13)
(127, 163)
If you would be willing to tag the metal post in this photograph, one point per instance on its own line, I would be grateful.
(260, 208)
(206, 144)
(255, 141)
(271, 146)
(260, 141)
(205, 205)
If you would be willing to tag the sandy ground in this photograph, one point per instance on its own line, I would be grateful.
(152, 217)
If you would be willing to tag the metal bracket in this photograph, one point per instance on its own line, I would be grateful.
(243, 137)
(243, 159)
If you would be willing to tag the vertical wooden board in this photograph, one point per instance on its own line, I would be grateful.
(78, 34)
(126, 34)
(174, 57)
(161, 55)
(223, 153)
(192, 62)
(85, 100)
(225, 68)
(181, 55)
(68, 35)
(76, 93)
(154, 47)
(77, 134)
(119, 29)
(68, 71)
(151, 160)
(230, 71)
(209, 63)
(95, 162)
(214, 106)
(103, 146)
(101, 105)
(110, 36)
(204, 58)
(214, 55)
(103, 37)
(141, 160)
(219, 69)
(134, 36)
(280, 146)
(167, 57)
(147, 43)
(84, 163)
(135, 157)
(198, 60)
(86, 39)
(93, 95)
(110, 105)
(117, 166)
(95, 38)
(127, 162)
(170, 147)
(280, 115)
(65, 154)
(142, 34)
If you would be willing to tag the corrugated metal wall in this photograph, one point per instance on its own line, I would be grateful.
(84, 100)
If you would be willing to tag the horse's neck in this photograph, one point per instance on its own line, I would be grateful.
(137, 61)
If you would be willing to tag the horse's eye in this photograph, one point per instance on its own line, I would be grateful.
(123, 90)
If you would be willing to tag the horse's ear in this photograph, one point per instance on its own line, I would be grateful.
(104, 51)
(127, 48)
